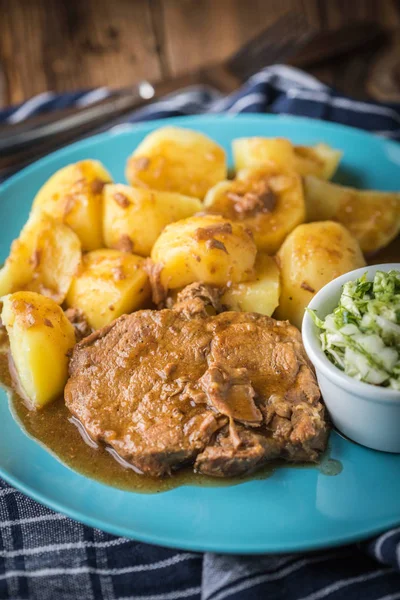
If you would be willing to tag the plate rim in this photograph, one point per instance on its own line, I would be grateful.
(177, 543)
(143, 126)
(360, 532)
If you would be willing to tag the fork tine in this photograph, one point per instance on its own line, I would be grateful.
(290, 23)
(271, 55)
(276, 42)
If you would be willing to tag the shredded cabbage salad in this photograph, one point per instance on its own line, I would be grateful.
(362, 335)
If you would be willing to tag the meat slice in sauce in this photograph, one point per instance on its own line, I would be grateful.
(224, 459)
(227, 392)
(199, 300)
(79, 322)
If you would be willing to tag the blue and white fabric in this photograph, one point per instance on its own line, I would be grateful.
(47, 556)
(277, 89)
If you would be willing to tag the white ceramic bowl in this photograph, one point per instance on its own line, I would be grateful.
(368, 414)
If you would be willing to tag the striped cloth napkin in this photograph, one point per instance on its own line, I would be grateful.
(47, 556)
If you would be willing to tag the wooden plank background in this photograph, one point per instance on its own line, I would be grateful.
(78, 44)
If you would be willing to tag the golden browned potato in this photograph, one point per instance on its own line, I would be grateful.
(43, 259)
(311, 256)
(268, 201)
(205, 248)
(180, 160)
(74, 196)
(260, 293)
(372, 217)
(320, 160)
(134, 217)
(40, 338)
(111, 283)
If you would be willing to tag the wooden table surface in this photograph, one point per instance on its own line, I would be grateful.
(78, 44)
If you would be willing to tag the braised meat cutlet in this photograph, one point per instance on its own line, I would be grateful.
(199, 300)
(79, 322)
(226, 392)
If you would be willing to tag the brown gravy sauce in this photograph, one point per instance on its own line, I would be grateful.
(52, 428)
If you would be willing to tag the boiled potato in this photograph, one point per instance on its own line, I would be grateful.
(40, 338)
(260, 294)
(372, 217)
(111, 283)
(177, 160)
(311, 256)
(268, 201)
(204, 248)
(256, 152)
(43, 259)
(134, 217)
(74, 196)
(320, 160)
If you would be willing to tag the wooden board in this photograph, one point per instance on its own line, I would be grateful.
(54, 45)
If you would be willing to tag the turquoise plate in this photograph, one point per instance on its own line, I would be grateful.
(294, 509)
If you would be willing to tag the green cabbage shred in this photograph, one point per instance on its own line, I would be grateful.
(362, 335)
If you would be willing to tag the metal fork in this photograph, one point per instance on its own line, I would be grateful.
(276, 43)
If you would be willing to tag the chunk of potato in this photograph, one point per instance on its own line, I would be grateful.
(74, 196)
(311, 256)
(177, 160)
(260, 294)
(320, 160)
(111, 283)
(372, 217)
(205, 248)
(135, 217)
(43, 259)
(267, 201)
(40, 338)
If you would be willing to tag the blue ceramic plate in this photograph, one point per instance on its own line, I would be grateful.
(294, 509)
